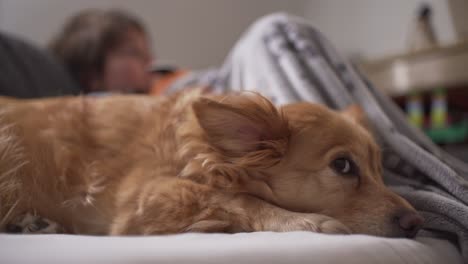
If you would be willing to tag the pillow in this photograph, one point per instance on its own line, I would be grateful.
(28, 72)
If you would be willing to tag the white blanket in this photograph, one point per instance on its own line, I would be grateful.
(268, 248)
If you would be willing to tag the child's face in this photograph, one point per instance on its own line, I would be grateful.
(126, 66)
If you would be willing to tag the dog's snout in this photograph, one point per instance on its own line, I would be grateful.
(409, 222)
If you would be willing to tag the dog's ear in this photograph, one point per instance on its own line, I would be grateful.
(355, 113)
(248, 130)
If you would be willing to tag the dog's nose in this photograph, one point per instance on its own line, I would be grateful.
(409, 222)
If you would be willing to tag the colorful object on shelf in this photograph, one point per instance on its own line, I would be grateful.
(439, 111)
(440, 126)
(441, 130)
(454, 134)
(415, 110)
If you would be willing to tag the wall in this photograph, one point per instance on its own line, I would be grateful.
(193, 34)
(199, 33)
(459, 9)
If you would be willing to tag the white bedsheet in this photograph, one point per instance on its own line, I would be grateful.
(268, 248)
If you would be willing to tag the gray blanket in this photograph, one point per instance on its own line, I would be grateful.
(287, 60)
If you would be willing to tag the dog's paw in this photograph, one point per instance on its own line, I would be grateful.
(333, 226)
(314, 223)
(33, 224)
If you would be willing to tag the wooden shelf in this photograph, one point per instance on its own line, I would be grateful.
(441, 67)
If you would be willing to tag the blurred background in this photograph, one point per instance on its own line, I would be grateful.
(413, 50)
(199, 33)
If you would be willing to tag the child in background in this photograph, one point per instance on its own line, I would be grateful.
(105, 51)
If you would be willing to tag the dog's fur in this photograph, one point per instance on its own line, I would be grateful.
(145, 165)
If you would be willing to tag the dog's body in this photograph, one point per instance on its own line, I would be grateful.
(145, 165)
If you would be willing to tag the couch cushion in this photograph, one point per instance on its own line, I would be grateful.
(28, 72)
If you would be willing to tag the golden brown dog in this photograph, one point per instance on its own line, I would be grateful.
(144, 165)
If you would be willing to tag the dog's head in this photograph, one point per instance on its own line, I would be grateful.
(307, 158)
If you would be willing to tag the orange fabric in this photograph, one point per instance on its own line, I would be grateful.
(161, 83)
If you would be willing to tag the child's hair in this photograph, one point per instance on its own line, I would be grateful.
(87, 38)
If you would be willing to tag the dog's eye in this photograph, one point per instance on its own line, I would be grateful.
(344, 166)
